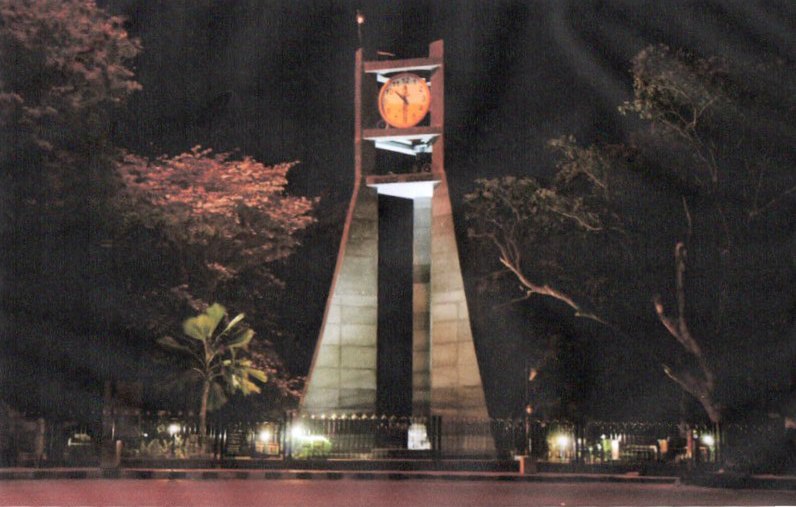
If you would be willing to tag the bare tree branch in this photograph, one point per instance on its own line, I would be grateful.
(688, 219)
(546, 290)
(771, 203)
(701, 388)
(579, 220)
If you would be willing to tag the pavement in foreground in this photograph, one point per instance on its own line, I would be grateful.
(376, 492)
(303, 474)
(720, 480)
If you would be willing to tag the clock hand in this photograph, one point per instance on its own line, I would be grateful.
(403, 97)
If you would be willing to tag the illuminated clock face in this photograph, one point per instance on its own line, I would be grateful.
(404, 100)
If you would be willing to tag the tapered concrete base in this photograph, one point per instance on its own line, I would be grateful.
(343, 374)
(446, 380)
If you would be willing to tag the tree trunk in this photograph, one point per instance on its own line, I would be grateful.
(203, 411)
(701, 386)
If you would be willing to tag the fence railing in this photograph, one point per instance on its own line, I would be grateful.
(627, 442)
(359, 436)
(135, 435)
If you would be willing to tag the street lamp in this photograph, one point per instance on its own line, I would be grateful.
(530, 376)
(360, 22)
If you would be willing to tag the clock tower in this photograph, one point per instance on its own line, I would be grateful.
(399, 116)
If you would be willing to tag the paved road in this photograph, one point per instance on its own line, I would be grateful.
(368, 493)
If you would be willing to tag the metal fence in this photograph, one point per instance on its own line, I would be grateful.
(135, 436)
(360, 436)
(623, 442)
(367, 436)
(40, 443)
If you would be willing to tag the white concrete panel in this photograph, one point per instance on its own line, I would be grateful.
(358, 334)
(328, 357)
(358, 379)
(325, 378)
(358, 357)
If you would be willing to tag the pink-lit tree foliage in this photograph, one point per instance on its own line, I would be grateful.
(227, 218)
(222, 223)
(64, 62)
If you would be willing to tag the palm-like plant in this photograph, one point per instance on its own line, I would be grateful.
(215, 359)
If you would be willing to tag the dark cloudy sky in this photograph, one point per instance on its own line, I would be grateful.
(275, 80)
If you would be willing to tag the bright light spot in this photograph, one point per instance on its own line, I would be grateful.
(417, 437)
(315, 438)
(264, 436)
(708, 440)
(562, 441)
(298, 431)
(407, 189)
(360, 18)
(174, 428)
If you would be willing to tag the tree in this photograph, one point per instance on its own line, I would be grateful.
(727, 136)
(512, 213)
(710, 174)
(215, 359)
(217, 226)
(65, 63)
(219, 222)
(81, 218)
(551, 244)
(66, 70)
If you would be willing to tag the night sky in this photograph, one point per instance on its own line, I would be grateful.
(274, 79)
